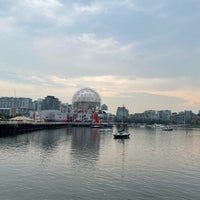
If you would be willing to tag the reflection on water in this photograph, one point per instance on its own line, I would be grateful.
(85, 163)
(85, 141)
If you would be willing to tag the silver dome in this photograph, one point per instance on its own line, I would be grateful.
(86, 98)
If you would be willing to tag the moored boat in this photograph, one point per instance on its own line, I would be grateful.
(167, 128)
(122, 135)
(96, 126)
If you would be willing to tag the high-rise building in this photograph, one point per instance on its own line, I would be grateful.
(50, 103)
(37, 104)
(122, 113)
(188, 116)
(104, 107)
(164, 115)
(151, 115)
(18, 105)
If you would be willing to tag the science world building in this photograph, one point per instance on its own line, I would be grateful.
(86, 102)
(86, 99)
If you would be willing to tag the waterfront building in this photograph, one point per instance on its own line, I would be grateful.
(37, 104)
(50, 103)
(151, 115)
(53, 115)
(184, 117)
(164, 115)
(48, 115)
(18, 105)
(6, 111)
(122, 113)
(105, 115)
(86, 99)
(68, 110)
(188, 116)
(86, 103)
(104, 107)
(139, 117)
(178, 118)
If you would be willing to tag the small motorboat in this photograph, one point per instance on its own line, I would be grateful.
(167, 128)
(121, 135)
(96, 126)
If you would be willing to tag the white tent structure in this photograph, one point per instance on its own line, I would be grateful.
(22, 119)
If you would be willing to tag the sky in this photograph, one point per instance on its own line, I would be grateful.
(142, 54)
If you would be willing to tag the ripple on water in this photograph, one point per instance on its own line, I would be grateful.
(80, 164)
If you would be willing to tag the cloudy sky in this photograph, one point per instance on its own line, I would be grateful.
(143, 54)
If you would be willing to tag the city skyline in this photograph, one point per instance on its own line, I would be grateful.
(32, 104)
(140, 54)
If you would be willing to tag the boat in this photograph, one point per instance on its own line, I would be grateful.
(167, 128)
(121, 130)
(96, 126)
(105, 130)
(121, 135)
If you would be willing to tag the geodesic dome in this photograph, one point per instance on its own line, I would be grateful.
(86, 98)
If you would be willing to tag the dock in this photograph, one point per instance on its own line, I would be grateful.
(8, 128)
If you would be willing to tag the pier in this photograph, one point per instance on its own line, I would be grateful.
(8, 128)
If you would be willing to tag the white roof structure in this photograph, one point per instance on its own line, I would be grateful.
(21, 118)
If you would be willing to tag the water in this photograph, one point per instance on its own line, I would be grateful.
(82, 163)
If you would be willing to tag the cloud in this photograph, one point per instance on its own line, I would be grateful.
(149, 8)
(56, 13)
(124, 49)
(128, 89)
(88, 54)
(47, 8)
(97, 7)
(88, 9)
(6, 25)
(36, 11)
(83, 53)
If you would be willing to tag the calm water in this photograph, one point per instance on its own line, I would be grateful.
(82, 163)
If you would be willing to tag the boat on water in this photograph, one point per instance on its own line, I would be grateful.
(104, 130)
(121, 134)
(167, 128)
(96, 126)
